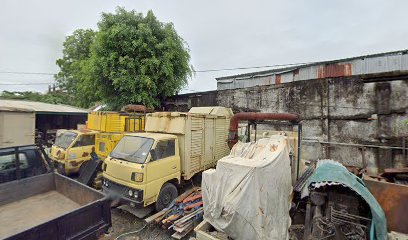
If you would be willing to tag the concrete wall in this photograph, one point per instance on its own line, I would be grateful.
(346, 119)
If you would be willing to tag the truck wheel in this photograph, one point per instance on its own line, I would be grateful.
(167, 194)
(61, 169)
(83, 167)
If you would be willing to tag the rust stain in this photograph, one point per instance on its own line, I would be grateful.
(277, 79)
(295, 73)
(334, 70)
(273, 148)
(393, 199)
(85, 154)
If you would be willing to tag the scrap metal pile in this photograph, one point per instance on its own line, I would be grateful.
(182, 214)
(333, 203)
(337, 213)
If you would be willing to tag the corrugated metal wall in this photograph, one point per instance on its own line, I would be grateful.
(385, 63)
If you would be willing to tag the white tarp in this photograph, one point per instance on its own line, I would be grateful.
(248, 195)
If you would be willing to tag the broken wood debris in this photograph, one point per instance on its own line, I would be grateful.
(181, 214)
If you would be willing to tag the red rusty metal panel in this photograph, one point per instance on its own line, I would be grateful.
(277, 79)
(295, 73)
(334, 70)
(393, 199)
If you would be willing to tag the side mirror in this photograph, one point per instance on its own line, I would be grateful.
(153, 154)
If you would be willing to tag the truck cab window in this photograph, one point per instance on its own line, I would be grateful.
(8, 162)
(165, 149)
(85, 140)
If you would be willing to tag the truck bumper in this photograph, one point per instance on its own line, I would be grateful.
(120, 193)
(63, 167)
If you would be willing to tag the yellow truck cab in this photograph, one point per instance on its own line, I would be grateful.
(71, 149)
(147, 168)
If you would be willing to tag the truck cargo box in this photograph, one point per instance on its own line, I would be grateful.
(52, 206)
(116, 121)
(202, 135)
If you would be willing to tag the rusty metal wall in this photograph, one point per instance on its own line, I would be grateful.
(363, 65)
(393, 199)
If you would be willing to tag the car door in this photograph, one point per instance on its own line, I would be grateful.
(88, 145)
(82, 148)
(164, 164)
(8, 169)
(32, 163)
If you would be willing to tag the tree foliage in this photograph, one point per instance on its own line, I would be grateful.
(51, 97)
(130, 59)
(76, 53)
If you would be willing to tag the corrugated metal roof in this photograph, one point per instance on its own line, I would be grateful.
(362, 65)
(38, 107)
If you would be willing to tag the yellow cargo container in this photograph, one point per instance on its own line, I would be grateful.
(116, 122)
(111, 127)
(105, 143)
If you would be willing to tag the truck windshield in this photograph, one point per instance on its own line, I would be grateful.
(65, 139)
(132, 149)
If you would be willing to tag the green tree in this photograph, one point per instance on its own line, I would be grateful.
(51, 97)
(76, 54)
(132, 59)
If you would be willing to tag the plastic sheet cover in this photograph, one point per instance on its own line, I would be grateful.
(248, 195)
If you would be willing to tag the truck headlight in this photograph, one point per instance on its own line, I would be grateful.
(137, 177)
(130, 192)
(136, 194)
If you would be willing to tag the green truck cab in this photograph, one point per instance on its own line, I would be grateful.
(147, 168)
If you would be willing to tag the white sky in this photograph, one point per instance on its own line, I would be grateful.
(220, 34)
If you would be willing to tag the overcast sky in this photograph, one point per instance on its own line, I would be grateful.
(220, 34)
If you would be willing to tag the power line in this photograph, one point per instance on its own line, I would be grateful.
(195, 71)
(29, 73)
(255, 67)
(24, 84)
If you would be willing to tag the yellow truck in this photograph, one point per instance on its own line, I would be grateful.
(104, 129)
(71, 149)
(146, 168)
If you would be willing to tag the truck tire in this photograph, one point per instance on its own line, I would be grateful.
(83, 167)
(61, 169)
(167, 194)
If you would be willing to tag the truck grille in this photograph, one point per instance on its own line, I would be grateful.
(116, 187)
(122, 190)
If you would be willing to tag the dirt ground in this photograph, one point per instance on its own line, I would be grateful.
(123, 222)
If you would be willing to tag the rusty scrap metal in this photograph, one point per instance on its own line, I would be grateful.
(393, 199)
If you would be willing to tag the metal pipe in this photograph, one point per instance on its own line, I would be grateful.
(353, 144)
(254, 116)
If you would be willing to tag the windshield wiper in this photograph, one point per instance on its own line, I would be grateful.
(118, 158)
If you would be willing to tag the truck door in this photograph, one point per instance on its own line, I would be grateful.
(163, 165)
(8, 169)
(82, 148)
